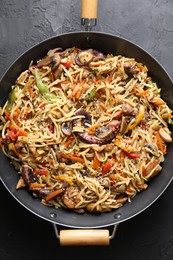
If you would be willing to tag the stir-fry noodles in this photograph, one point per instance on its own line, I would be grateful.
(84, 130)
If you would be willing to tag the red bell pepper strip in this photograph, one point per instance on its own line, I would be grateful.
(132, 155)
(7, 115)
(42, 106)
(106, 168)
(67, 64)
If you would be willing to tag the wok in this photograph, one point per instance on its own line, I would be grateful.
(88, 228)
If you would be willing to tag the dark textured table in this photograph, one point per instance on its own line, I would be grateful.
(149, 23)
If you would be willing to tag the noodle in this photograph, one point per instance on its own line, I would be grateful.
(84, 130)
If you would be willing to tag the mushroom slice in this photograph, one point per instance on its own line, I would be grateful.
(106, 131)
(123, 128)
(53, 51)
(44, 62)
(152, 148)
(56, 60)
(66, 128)
(103, 132)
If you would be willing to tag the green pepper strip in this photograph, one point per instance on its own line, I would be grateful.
(41, 87)
(91, 94)
(12, 98)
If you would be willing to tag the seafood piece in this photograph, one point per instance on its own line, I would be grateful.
(103, 135)
(165, 136)
(71, 197)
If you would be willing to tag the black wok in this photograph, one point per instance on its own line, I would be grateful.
(105, 43)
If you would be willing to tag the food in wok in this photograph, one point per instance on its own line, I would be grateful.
(85, 130)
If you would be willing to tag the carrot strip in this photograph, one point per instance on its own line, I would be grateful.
(159, 103)
(142, 93)
(112, 177)
(103, 106)
(53, 194)
(143, 170)
(142, 186)
(7, 115)
(121, 200)
(16, 114)
(79, 92)
(69, 141)
(73, 157)
(31, 92)
(96, 163)
(170, 115)
(75, 90)
(36, 185)
(65, 178)
(93, 127)
(17, 131)
(38, 171)
(91, 132)
(13, 128)
(28, 109)
(109, 79)
(160, 144)
(121, 156)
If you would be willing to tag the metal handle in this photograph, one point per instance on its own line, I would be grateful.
(78, 237)
(89, 14)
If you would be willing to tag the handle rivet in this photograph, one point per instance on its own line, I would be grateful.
(117, 216)
(53, 215)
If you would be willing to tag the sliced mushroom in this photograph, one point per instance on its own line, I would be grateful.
(55, 61)
(103, 132)
(58, 71)
(44, 62)
(106, 131)
(66, 128)
(152, 148)
(53, 51)
(66, 52)
(124, 124)
(164, 135)
(105, 182)
(119, 189)
(53, 58)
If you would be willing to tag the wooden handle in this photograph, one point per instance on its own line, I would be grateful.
(89, 9)
(84, 237)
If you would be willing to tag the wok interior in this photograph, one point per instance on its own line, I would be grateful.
(105, 43)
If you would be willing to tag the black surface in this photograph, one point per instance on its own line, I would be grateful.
(148, 24)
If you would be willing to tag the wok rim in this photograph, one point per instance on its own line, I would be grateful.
(116, 219)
